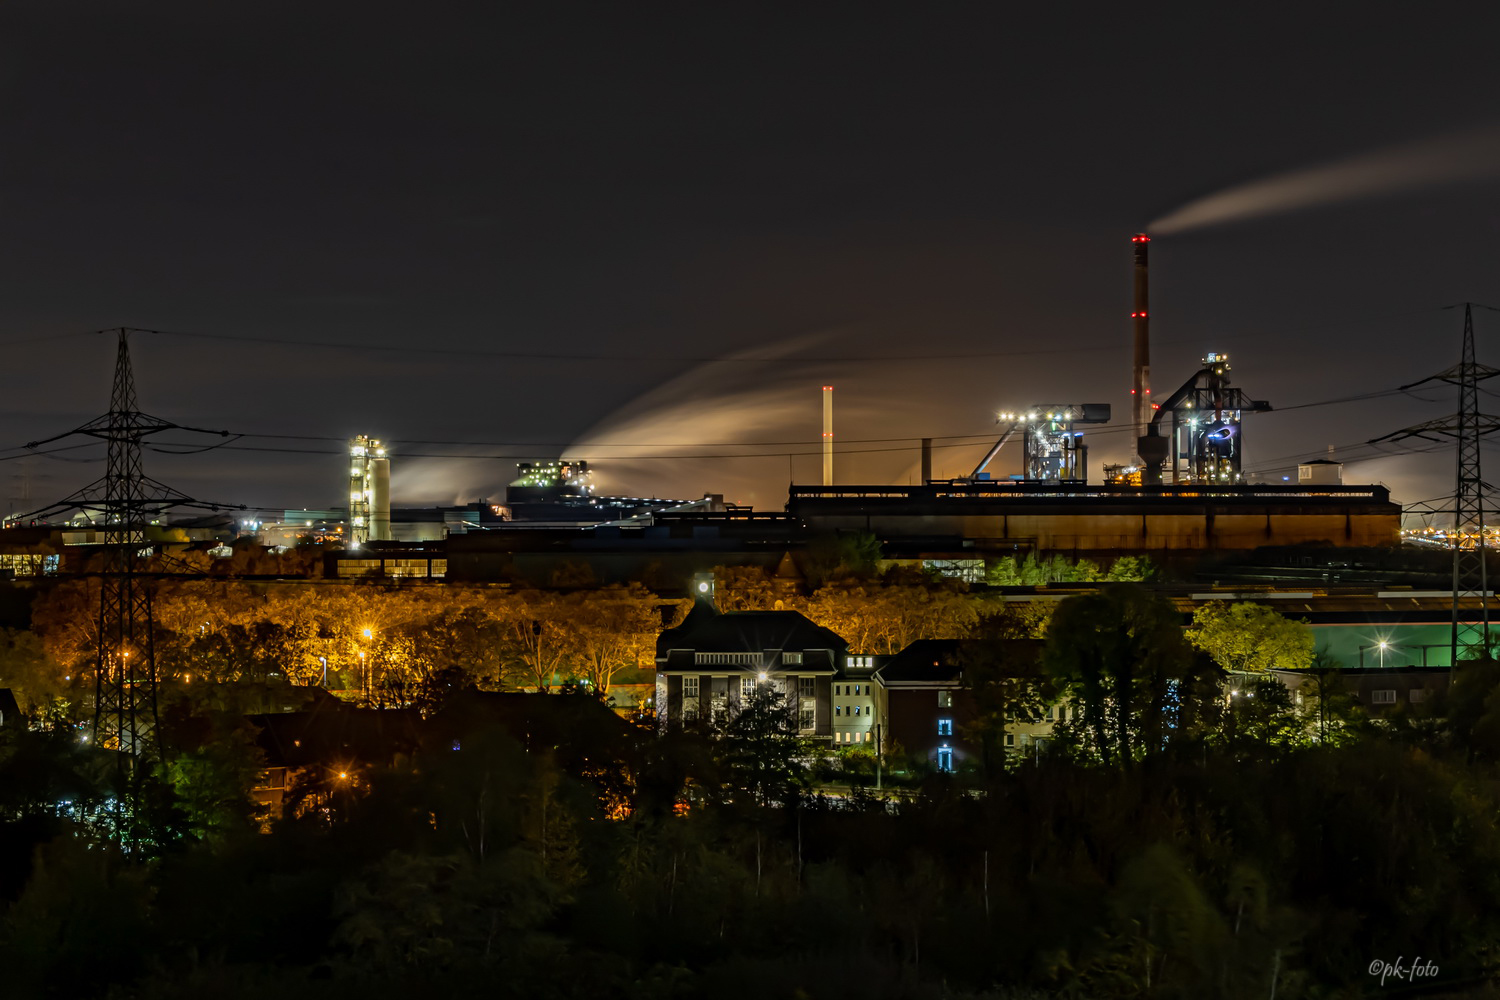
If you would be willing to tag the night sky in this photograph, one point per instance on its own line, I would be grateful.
(929, 206)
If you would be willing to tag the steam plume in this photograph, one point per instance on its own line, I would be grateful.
(1467, 156)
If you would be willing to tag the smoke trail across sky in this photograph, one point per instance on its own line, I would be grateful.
(1466, 156)
(717, 401)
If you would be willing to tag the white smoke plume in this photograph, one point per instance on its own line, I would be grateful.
(1467, 156)
(721, 403)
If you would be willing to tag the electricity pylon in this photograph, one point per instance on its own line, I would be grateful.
(127, 501)
(1471, 494)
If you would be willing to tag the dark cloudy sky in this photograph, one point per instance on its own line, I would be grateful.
(636, 189)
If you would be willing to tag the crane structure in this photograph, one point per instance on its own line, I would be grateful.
(1053, 450)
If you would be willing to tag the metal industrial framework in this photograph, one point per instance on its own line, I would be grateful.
(124, 502)
(1053, 448)
(1472, 496)
(1207, 444)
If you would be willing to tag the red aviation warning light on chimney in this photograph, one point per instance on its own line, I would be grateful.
(1140, 384)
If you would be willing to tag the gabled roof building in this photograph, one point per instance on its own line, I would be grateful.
(711, 664)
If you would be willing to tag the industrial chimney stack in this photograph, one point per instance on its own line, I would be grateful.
(1140, 385)
(828, 435)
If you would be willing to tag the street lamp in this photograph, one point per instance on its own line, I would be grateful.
(1382, 644)
(324, 660)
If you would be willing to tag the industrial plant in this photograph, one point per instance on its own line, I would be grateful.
(1184, 500)
(1184, 491)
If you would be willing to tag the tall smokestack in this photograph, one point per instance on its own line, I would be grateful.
(828, 435)
(926, 461)
(1140, 385)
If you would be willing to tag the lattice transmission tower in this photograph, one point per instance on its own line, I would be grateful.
(1472, 501)
(126, 501)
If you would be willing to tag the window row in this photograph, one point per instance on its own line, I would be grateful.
(853, 689)
(864, 737)
(806, 686)
(852, 710)
(744, 659)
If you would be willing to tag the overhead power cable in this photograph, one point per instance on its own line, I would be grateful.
(635, 357)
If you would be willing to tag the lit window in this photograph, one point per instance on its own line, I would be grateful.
(690, 687)
(945, 699)
(747, 688)
(945, 727)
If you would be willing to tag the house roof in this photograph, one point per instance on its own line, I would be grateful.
(941, 662)
(334, 731)
(1393, 673)
(748, 632)
(568, 724)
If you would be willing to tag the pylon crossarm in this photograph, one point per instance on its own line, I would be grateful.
(1456, 375)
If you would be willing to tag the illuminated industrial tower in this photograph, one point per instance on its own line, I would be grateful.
(369, 491)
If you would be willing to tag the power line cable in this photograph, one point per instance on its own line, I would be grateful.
(636, 357)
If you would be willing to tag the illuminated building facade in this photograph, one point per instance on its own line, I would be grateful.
(713, 664)
(574, 478)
